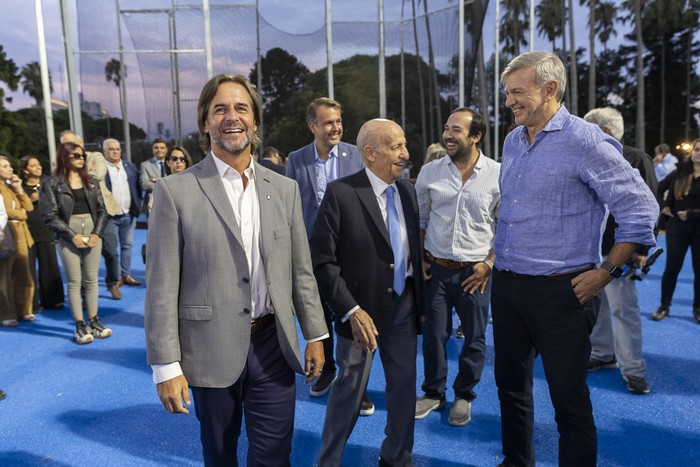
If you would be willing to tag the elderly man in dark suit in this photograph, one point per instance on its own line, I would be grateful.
(325, 159)
(228, 271)
(365, 247)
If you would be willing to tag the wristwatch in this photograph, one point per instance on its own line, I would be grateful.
(615, 271)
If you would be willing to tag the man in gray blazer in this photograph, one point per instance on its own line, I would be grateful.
(151, 170)
(325, 159)
(228, 270)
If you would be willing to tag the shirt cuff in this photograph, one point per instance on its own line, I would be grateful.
(165, 372)
(349, 313)
(316, 339)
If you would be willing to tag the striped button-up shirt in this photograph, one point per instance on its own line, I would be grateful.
(459, 219)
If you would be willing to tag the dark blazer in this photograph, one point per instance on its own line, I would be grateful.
(267, 163)
(56, 205)
(132, 175)
(301, 166)
(351, 251)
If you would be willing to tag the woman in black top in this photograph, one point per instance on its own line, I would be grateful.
(682, 206)
(49, 286)
(72, 205)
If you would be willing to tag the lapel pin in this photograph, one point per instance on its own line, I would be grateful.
(268, 197)
(344, 154)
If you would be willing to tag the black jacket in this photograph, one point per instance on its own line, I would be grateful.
(56, 205)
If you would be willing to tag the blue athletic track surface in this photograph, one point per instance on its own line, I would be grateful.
(95, 405)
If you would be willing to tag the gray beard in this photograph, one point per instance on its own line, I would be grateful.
(230, 148)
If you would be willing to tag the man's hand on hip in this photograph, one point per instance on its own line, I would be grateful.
(587, 284)
(173, 392)
(314, 360)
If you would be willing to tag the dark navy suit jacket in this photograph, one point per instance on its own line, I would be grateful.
(351, 250)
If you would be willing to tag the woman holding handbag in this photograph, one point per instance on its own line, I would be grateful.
(15, 277)
(71, 204)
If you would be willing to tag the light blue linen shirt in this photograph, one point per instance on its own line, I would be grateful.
(554, 194)
(326, 171)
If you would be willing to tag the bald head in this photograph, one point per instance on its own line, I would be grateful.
(382, 144)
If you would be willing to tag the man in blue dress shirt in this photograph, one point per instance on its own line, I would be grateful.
(558, 174)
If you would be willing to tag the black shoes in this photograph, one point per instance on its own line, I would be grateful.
(661, 313)
(322, 384)
(636, 384)
(696, 313)
(594, 364)
(2, 394)
(459, 334)
(367, 407)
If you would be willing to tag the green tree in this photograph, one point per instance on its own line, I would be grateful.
(514, 23)
(8, 75)
(31, 82)
(550, 14)
(282, 76)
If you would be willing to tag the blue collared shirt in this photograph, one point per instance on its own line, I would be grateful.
(326, 171)
(554, 194)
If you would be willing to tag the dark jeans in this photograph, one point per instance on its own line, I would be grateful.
(679, 236)
(265, 392)
(539, 314)
(110, 253)
(443, 292)
(48, 285)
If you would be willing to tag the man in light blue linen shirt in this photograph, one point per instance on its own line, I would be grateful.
(558, 174)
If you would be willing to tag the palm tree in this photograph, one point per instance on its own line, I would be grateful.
(8, 75)
(420, 77)
(605, 19)
(514, 23)
(592, 6)
(31, 82)
(433, 71)
(113, 74)
(550, 14)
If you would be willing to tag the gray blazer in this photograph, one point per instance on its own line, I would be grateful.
(301, 167)
(148, 168)
(198, 297)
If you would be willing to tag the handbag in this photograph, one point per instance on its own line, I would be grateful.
(7, 242)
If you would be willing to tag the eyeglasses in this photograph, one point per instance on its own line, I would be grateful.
(177, 159)
(77, 155)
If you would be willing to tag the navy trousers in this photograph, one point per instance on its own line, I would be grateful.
(265, 394)
(539, 314)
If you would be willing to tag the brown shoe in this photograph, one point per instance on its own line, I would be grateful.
(128, 280)
(114, 290)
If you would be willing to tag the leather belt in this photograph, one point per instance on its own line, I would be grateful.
(260, 324)
(448, 263)
(529, 276)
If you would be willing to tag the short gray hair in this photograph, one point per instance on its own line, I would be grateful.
(607, 117)
(548, 67)
(109, 140)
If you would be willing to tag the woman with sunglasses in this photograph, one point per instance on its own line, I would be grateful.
(16, 284)
(72, 205)
(48, 285)
(176, 161)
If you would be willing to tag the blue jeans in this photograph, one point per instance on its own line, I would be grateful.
(443, 292)
(110, 254)
(124, 226)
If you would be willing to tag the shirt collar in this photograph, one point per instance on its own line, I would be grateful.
(332, 153)
(223, 168)
(379, 186)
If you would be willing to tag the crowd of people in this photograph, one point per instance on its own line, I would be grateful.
(343, 241)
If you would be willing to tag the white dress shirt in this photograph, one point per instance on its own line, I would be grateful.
(3, 214)
(120, 185)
